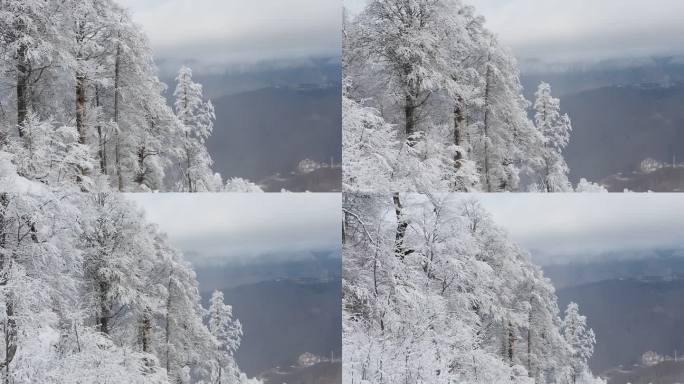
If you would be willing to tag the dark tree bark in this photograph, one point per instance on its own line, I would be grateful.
(104, 315)
(409, 116)
(459, 118)
(486, 124)
(511, 342)
(167, 328)
(400, 249)
(81, 81)
(146, 331)
(102, 140)
(23, 72)
(10, 333)
(140, 175)
(117, 145)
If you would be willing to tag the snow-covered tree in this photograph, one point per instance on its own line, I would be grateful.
(197, 119)
(555, 130)
(581, 340)
(238, 184)
(91, 292)
(585, 186)
(227, 333)
(126, 134)
(368, 158)
(435, 292)
(450, 93)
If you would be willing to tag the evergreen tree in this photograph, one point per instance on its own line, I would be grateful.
(555, 130)
(227, 333)
(197, 119)
(581, 340)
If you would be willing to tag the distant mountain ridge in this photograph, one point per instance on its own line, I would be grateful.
(285, 318)
(321, 266)
(633, 304)
(645, 266)
(623, 111)
(615, 128)
(630, 317)
(267, 131)
(666, 179)
(271, 116)
(235, 79)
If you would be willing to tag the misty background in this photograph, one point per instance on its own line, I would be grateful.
(621, 258)
(272, 70)
(277, 260)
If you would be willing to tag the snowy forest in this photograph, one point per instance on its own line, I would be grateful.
(432, 101)
(435, 292)
(80, 102)
(91, 292)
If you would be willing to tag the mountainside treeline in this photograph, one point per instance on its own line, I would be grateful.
(434, 292)
(90, 292)
(433, 102)
(80, 100)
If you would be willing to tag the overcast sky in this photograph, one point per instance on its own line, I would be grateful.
(577, 226)
(581, 30)
(240, 30)
(210, 227)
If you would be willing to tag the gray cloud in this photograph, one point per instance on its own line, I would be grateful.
(582, 30)
(561, 30)
(562, 228)
(244, 227)
(220, 31)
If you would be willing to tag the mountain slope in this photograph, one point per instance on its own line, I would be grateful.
(284, 319)
(267, 131)
(615, 128)
(630, 317)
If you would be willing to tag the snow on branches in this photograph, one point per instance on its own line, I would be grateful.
(435, 292)
(435, 99)
(85, 104)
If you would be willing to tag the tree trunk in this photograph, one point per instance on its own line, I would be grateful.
(459, 118)
(102, 145)
(188, 164)
(399, 247)
(23, 72)
(187, 140)
(511, 342)
(81, 107)
(529, 344)
(344, 226)
(103, 318)
(410, 116)
(411, 104)
(167, 329)
(146, 332)
(10, 332)
(547, 184)
(140, 175)
(10, 324)
(459, 136)
(117, 149)
(486, 125)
